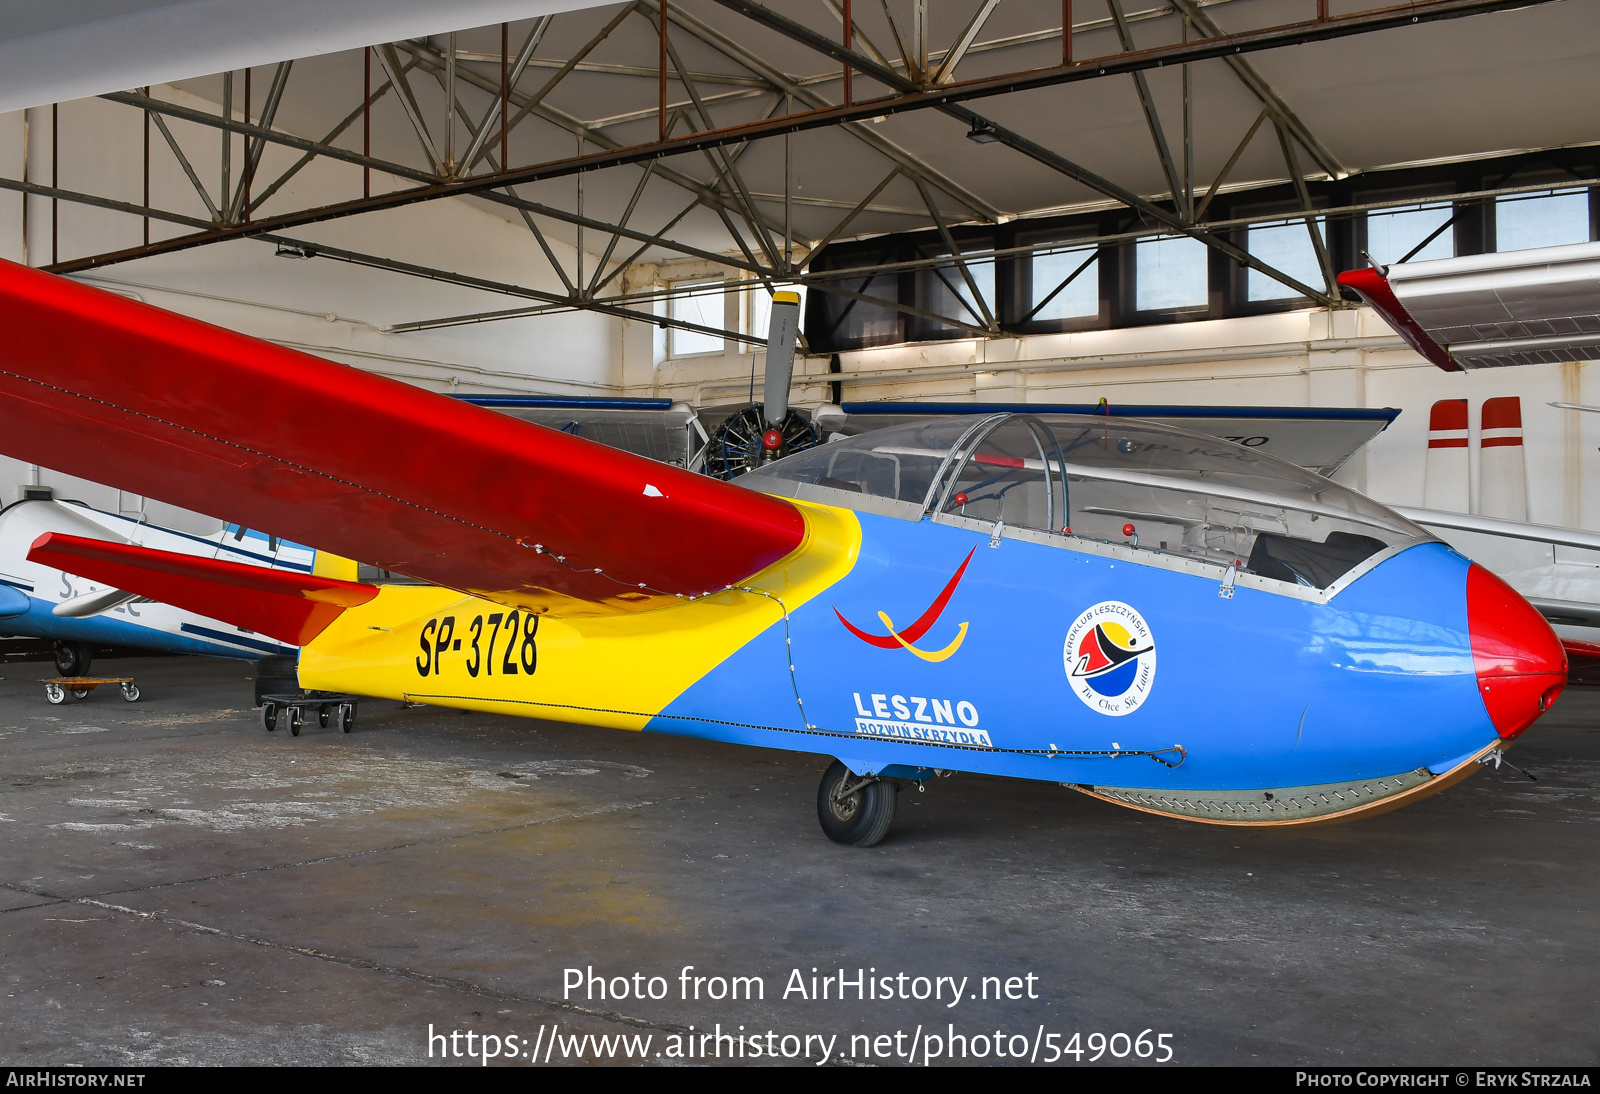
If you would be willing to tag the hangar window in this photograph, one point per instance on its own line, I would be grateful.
(944, 290)
(1286, 247)
(699, 303)
(1171, 274)
(1411, 235)
(1136, 279)
(1546, 220)
(843, 319)
(1064, 285)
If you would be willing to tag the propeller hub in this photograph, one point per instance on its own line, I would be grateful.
(772, 440)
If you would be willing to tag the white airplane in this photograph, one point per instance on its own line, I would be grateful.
(77, 615)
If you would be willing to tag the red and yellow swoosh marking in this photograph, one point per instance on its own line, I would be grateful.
(896, 640)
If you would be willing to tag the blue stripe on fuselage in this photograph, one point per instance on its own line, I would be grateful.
(110, 630)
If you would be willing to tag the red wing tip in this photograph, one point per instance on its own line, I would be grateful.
(1373, 288)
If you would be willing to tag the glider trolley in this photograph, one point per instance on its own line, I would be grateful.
(80, 686)
(301, 705)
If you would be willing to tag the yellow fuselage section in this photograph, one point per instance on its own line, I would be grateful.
(427, 644)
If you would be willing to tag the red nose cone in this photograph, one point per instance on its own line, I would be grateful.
(1519, 660)
(772, 440)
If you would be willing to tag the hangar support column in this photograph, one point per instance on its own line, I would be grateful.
(1338, 377)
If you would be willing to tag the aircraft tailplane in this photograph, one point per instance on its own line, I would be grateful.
(291, 607)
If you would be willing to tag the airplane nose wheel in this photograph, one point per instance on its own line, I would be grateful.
(854, 810)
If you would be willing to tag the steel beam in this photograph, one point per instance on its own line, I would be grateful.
(1281, 113)
(408, 99)
(561, 73)
(55, 193)
(982, 314)
(1033, 150)
(1233, 159)
(363, 111)
(708, 194)
(943, 97)
(946, 70)
(862, 205)
(913, 164)
(727, 171)
(627, 215)
(188, 168)
(857, 34)
(1152, 117)
(411, 269)
(524, 56)
(239, 207)
(1318, 244)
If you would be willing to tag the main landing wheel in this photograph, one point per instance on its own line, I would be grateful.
(854, 810)
(72, 658)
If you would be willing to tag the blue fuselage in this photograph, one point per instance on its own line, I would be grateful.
(1260, 688)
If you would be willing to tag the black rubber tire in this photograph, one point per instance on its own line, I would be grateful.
(276, 675)
(294, 721)
(269, 716)
(72, 658)
(347, 716)
(322, 716)
(863, 818)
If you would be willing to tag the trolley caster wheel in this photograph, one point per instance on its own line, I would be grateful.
(347, 716)
(55, 693)
(323, 715)
(294, 721)
(80, 693)
(130, 692)
(855, 811)
(269, 716)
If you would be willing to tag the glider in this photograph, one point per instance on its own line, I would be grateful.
(1286, 652)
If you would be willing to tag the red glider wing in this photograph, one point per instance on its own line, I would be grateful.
(115, 391)
(1528, 307)
(291, 607)
(1373, 288)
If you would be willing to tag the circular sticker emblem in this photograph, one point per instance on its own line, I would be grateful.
(1110, 657)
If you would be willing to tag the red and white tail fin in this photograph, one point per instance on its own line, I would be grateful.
(1502, 474)
(1445, 483)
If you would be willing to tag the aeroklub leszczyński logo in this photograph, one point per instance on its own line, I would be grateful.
(1110, 658)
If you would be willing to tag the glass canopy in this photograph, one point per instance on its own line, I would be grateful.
(1096, 478)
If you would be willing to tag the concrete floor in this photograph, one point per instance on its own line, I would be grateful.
(178, 886)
